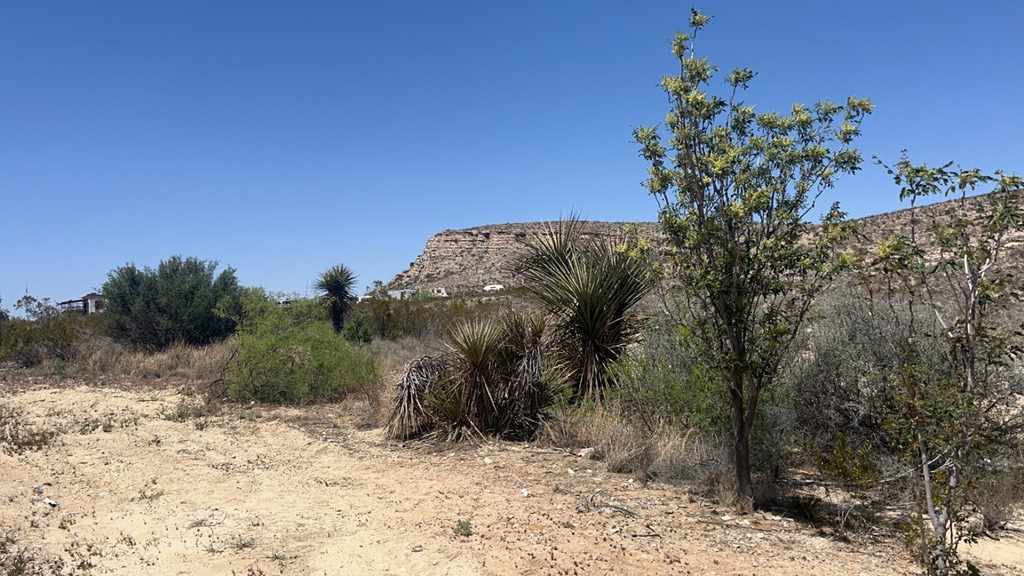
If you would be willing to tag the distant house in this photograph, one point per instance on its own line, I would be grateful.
(91, 303)
(402, 294)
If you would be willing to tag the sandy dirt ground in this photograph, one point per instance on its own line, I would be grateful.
(265, 491)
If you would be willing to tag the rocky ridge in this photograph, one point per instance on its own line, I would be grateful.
(471, 258)
(466, 260)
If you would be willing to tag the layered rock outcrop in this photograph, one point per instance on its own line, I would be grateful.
(469, 259)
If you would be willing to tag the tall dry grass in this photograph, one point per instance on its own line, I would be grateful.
(103, 359)
(668, 454)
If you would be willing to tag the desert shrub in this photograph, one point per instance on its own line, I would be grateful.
(1000, 495)
(357, 329)
(423, 317)
(845, 375)
(44, 333)
(180, 301)
(666, 385)
(288, 354)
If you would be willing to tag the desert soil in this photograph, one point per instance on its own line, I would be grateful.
(263, 491)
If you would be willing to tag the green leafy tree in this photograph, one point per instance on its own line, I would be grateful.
(180, 301)
(590, 289)
(952, 420)
(735, 189)
(337, 284)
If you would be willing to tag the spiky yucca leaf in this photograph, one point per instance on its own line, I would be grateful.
(591, 290)
(476, 345)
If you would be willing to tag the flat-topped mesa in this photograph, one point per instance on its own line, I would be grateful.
(467, 260)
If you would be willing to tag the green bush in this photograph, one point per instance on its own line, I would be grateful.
(289, 354)
(665, 382)
(424, 316)
(44, 333)
(180, 301)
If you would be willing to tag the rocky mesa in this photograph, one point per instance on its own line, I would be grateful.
(467, 260)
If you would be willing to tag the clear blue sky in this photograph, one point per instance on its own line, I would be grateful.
(281, 138)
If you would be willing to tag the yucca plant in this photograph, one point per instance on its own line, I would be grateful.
(590, 289)
(477, 371)
(414, 404)
(490, 382)
(337, 284)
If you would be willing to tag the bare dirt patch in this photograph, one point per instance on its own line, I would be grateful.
(256, 490)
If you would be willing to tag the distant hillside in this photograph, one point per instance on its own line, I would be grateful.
(469, 259)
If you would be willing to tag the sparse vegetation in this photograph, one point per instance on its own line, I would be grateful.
(464, 528)
(899, 393)
(186, 410)
(17, 436)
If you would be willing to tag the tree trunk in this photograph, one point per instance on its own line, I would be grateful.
(741, 437)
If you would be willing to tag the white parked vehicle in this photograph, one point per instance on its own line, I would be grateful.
(493, 288)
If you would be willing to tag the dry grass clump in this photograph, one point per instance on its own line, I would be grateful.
(103, 358)
(392, 355)
(666, 455)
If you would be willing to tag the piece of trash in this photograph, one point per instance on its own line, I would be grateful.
(572, 472)
(525, 492)
(488, 460)
(417, 548)
(584, 452)
(37, 489)
(52, 503)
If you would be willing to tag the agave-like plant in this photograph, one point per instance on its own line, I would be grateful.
(337, 284)
(590, 289)
(478, 372)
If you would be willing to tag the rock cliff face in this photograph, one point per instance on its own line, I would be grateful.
(469, 259)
